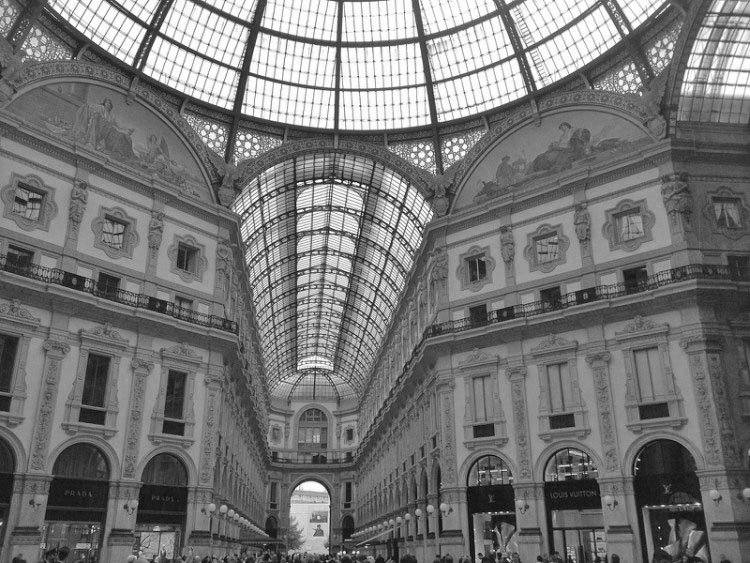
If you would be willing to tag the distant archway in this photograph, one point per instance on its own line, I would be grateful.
(309, 519)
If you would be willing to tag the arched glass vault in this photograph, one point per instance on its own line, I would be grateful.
(330, 239)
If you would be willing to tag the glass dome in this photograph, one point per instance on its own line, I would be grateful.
(356, 65)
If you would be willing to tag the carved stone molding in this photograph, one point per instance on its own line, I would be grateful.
(554, 343)
(16, 312)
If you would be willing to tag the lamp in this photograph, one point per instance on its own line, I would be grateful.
(236, 517)
(430, 509)
(715, 496)
(521, 505)
(399, 520)
(407, 516)
(445, 508)
(744, 494)
(391, 522)
(223, 509)
(37, 500)
(209, 509)
(418, 512)
(230, 513)
(130, 506)
(610, 501)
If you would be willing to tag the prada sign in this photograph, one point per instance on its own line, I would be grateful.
(78, 493)
(159, 498)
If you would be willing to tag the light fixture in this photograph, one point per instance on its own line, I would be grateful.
(230, 513)
(407, 516)
(521, 505)
(209, 509)
(130, 506)
(236, 517)
(445, 508)
(391, 522)
(37, 500)
(399, 520)
(744, 494)
(418, 512)
(610, 501)
(430, 509)
(715, 496)
(223, 509)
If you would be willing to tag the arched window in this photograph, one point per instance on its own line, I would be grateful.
(166, 470)
(272, 527)
(570, 464)
(347, 527)
(663, 457)
(489, 470)
(7, 459)
(82, 461)
(312, 431)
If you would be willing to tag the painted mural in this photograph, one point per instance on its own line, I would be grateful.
(562, 142)
(102, 120)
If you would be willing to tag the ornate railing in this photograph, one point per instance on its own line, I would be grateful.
(327, 457)
(56, 276)
(584, 296)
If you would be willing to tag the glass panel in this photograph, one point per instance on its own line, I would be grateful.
(167, 470)
(175, 395)
(95, 383)
(81, 461)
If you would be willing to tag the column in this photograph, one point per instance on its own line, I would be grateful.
(27, 508)
(122, 508)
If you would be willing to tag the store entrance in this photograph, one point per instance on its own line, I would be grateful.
(579, 536)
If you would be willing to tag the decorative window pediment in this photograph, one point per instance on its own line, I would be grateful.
(628, 225)
(29, 202)
(115, 233)
(546, 248)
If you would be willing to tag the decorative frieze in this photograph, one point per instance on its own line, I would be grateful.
(141, 370)
(523, 446)
(599, 362)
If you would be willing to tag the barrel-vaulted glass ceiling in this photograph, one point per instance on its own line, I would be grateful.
(330, 239)
(357, 64)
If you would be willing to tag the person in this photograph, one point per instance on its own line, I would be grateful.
(318, 532)
(63, 553)
(50, 556)
(95, 126)
(661, 556)
(615, 558)
(19, 559)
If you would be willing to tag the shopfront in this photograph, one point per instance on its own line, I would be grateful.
(162, 508)
(492, 513)
(77, 503)
(7, 467)
(574, 507)
(668, 498)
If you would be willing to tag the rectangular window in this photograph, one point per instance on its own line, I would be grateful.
(274, 493)
(187, 257)
(93, 400)
(635, 279)
(727, 212)
(739, 267)
(484, 430)
(183, 303)
(547, 248)
(107, 285)
(347, 494)
(551, 298)
(652, 387)
(113, 232)
(174, 403)
(8, 349)
(18, 258)
(478, 315)
(482, 395)
(560, 388)
(477, 268)
(350, 434)
(27, 202)
(629, 225)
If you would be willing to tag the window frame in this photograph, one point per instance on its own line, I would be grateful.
(530, 251)
(480, 365)
(104, 341)
(640, 334)
(724, 192)
(178, 358)
(22, 249)
(475, 253)
(48, 209)
(624, 208)
(130, 237)
(555, 350)
(18, 322)
(201, 263)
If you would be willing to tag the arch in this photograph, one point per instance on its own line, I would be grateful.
(347, 526)
(424, 484)
(471, 459)
(106, 449)
(292, 149)
(628, 459)
(86, 462)
(316, 479)
(414, 490)
(546, 454)
(435, 477)
(7, 458)
(300, 411)
(16, 447)
(481, 475)
(271, 527)
(186, 460)
(176, 477)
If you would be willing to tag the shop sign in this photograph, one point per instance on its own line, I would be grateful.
(160, 498)
(578, 494)
(77, 493)
(494, 498)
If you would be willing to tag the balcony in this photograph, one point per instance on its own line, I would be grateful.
(312, 458)
(584, 296)
(56, 276)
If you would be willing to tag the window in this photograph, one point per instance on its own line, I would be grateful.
(477, 268)
(28, 202)
(187, 257)
(482, 398)
(183, 307)
(478, 315)
(635, 279)
(347, 494)
(18, 259)
(174, 403)
(727, 212)
(107, 285)
(546, 248)
(273, 495)
(551, 298)
(350, 434)
(115, 233)
(628, 225)
(312, 431)
(739, 267)
(8, 350)
(483, 417)
(651, 383)
(93, 407)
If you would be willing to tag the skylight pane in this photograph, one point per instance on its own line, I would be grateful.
(312, 20)
(109, 27)
(637, 11)
(384, 20)
(383, 109)
(189, 73)
(141, 9)
(243, 9)
(280, 102)
(480, 91)
(206, 32)
(469, 49)
(439, 15)
(303, 64)
(537, 19)
(387, 66)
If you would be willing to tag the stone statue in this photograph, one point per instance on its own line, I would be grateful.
(507, 245)
(442, 187)
(675, 193)
(78, 199)
(439, 270)
(582, 222)
(155, 230)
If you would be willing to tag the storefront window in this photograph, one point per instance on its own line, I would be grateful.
(574, 507)
(668, 497)
(492, 516)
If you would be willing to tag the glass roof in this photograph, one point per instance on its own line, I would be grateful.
(353, 64)
(330, 239)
